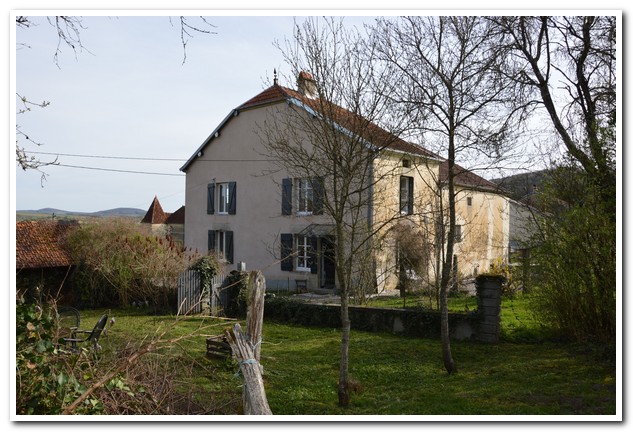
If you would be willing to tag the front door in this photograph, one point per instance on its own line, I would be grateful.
(328, 269)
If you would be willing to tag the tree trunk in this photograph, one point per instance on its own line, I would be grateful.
(255, 402)
(255, 313)
(247, 348)
(447, 355)
(343, 383)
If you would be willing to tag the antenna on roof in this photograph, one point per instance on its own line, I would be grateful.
(275, 76)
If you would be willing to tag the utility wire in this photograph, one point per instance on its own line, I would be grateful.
(147, 159)
(118, 170)
(106, 157)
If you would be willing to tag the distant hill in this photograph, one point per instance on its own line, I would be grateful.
(47, 213)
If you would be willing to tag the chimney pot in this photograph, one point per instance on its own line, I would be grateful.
(306, 85)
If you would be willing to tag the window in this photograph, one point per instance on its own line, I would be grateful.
(305, 195)
(299, 253)
(406, 195)
(458, 233)
(221, 197)
(221, 243)
(469, 201)
(303, 253)
(406, 163)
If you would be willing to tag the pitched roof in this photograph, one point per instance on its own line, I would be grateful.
(464, 177)
(345, 118)
(178, 217)
(352, 122)
(39, 244)
(155, 213)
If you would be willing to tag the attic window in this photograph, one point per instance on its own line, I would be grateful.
(469, 201)
(406, 163)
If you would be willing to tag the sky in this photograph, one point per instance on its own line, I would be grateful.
(127, 97)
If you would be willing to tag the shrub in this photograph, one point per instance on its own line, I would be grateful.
(575, 288)
(119, 257)
(47, 377)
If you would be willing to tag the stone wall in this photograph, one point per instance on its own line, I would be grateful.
(482, 325)
(409, 322)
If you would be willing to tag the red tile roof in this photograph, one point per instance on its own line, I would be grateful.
(155, 213)
(39, 244)
(464, 177)
(353, 122)
(178, 217)
(345, 118)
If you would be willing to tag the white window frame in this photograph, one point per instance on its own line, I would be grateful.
(404, 210)
(220, 244)
(302, 246)
(305, 197)
(223, 198)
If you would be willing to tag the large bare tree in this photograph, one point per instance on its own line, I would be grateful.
(567, 65)
(331, 137)
(446, 81)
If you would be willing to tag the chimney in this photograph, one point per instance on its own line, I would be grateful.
(306, 85)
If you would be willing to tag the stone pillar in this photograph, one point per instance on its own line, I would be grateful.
(489, 307)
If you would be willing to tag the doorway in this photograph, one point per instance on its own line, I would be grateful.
(327, 275)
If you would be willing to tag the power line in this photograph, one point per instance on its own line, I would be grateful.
(148, 159)
(106, 157)
(118, 170)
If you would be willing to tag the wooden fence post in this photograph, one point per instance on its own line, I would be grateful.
(247, 347)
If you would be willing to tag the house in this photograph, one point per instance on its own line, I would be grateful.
(170, 225)
(248, 211)
(41, 259)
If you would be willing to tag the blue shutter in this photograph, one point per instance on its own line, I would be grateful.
(211, 198)
(410, 197)
(228, 236)
(317, 195)
(287, 261)
(314, 262)
(232, 197)
(286, 196)
(211, 240)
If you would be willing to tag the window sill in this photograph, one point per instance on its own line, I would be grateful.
(304, 213)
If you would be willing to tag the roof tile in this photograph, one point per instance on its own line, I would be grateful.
(39, 244)
(155, 213)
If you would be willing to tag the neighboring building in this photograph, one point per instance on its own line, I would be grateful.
(41, 259)
(241, 206)
(170, 225)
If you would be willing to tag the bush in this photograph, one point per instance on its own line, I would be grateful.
(575, 291)
(47, 377)
(121, 262)
(235, 287)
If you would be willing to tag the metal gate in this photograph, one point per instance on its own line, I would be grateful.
(190, 296)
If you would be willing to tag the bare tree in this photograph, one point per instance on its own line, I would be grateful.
(330, 136)
(567, 65)
(446, 80)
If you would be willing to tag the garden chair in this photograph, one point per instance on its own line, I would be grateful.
(68, 321)
(92, 336)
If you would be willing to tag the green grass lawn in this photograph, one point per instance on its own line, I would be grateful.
(395, 375)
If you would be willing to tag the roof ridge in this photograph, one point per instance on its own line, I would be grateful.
(155, 214)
